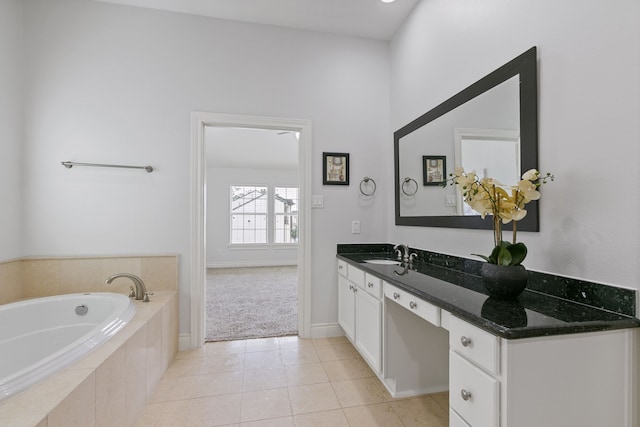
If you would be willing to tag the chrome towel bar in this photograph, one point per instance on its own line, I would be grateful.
(69, 165)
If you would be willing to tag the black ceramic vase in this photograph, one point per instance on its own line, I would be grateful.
(504, 281)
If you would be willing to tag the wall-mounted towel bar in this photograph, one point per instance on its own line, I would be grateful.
(69, 165)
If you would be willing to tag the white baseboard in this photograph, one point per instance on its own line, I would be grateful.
(233, 264)
(326, 330)
(319, 330)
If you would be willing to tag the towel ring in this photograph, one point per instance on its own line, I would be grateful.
(365, 181)
(406, 181)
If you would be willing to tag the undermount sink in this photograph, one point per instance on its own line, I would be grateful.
(382, 261)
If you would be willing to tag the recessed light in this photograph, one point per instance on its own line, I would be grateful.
(387, 1)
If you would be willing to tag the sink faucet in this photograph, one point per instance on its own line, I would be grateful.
(140, 292)
(403, 250)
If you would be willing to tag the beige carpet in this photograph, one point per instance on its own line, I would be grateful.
(251, 302)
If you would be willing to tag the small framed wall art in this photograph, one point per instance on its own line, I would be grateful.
(335, 168)
(434, 170)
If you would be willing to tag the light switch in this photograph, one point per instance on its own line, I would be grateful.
(355, 227)
(317, 202)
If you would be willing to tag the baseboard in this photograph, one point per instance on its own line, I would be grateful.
(234, 264)
(326, 330)
(184, 342)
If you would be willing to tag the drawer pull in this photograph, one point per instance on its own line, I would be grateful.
(351, 287)
(465, 342)
(369, 284)
(396, 295)
(339, 267)
(412, 305)
(466, 395)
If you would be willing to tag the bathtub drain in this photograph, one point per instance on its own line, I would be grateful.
(81, 310)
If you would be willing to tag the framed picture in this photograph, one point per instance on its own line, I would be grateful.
(434, 170)
(335, 168)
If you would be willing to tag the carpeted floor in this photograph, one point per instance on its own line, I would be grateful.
(251, 302)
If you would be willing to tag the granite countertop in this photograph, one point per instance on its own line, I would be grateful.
(551, 305)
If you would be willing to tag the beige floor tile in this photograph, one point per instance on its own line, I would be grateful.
(224, 347)
(334, 418)
(313, 398)
(166, 414)
(264, 379)
(330, 341)
(294, 342)
(421, 412)
(174, 388)
(361, 391)
(273, 422)
(346, 369)
(214, 410)
(217, 384)
(263, 360)
(260, 405)
(223, 363)
(377, 415)
(262, 344)
(184, 368)
(309, 373)
(442, 399)
(335, 352)
(190, 354)
(299, 355)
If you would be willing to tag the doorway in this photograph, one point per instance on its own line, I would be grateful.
(252, 211)
(200, 121)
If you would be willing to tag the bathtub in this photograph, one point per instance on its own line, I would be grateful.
(41, 336)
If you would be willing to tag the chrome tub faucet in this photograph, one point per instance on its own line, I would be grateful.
(140, 289)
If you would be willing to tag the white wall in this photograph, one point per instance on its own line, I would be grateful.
(114, 84)
(219, 254)
(589, 115)
(10, 128)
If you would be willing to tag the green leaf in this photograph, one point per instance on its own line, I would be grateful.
(504, 256)
(518, 253)
(484, 257)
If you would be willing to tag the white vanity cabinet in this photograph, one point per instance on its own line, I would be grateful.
(564, 380)
(360, 312)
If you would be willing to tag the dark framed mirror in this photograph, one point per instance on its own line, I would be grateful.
(490, 127)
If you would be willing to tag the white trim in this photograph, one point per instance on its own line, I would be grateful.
(232, 264)
(184, 342)
(198, 204)
(326, 330)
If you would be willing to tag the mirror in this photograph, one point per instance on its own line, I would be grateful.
(490, 127)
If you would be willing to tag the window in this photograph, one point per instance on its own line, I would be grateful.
(258, 218)
(249, 206)
(285, 206)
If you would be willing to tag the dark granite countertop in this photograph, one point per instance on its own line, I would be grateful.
(551, 305)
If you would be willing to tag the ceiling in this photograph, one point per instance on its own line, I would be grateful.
(362, 18)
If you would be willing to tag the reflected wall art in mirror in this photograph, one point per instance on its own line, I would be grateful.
(490, 127)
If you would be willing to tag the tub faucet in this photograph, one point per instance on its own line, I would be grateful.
(140, 291)
(404, 250)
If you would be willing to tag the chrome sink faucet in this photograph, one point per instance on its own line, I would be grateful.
(140, 290)
(402, 251)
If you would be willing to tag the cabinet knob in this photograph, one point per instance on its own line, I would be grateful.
(466, 395)
(339, 267)
(465, 341)
(396, 295)
(412, 305)
(369, 284)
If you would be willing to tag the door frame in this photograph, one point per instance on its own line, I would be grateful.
(199, 120)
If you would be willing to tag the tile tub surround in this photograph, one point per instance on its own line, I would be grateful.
(551, 305)
(40, 277)
(111, 385)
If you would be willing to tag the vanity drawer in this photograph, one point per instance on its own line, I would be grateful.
(373, 285)
(355, 275)
(475, 344)
(342, 268)
(427, 311)
(473, 394)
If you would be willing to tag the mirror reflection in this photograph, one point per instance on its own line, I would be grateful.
(489, 127)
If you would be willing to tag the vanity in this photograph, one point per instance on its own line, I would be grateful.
(562, 354)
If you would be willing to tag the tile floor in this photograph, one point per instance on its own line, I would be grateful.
(282, 382)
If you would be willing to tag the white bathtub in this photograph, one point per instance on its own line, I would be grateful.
(41, 336)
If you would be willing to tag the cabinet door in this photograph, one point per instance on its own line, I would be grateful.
(346, 307)
(369, 329)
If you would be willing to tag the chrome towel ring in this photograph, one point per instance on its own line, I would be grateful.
(367, 182)
(406, 184)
